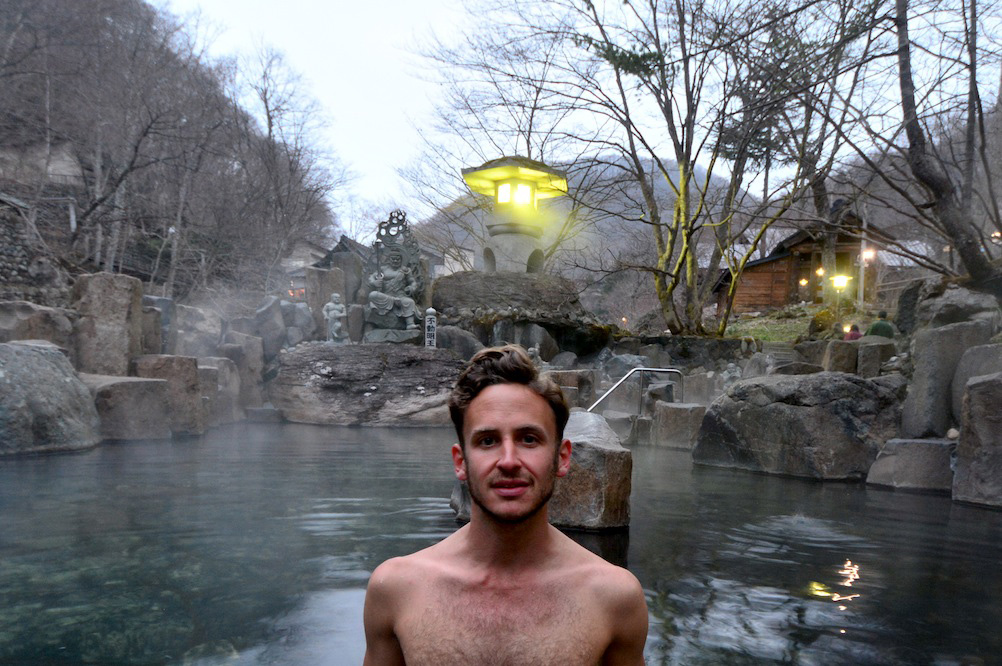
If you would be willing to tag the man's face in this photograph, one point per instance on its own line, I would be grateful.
(512, 456)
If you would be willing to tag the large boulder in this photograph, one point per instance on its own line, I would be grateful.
(812, 351)
(978, 475)
(797, 368)
(476, 301)
(595, 493)
(109, 330)
(184, 390)
(198, 331)
(979, 360)
(828, 425)
(21, 320)
(226, 402)
(914, 464)
(619, 365)
(941, 303)
(43, 404)
(464, 343)
(379, 384)
(935, 354)
(168, 330)
(247, 352)
(676, 424)
(534, 335)
(270, 327)
(874, 351)
(840, 356)
(302, 318)
(130, 407)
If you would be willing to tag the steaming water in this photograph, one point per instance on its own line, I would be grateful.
(253, 545)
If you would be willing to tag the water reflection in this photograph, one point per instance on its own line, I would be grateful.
(254, 545)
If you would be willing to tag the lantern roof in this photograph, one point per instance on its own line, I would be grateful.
(549, 182)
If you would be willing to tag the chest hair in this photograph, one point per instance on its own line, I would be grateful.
(501, 627)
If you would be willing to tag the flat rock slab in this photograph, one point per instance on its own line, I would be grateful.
(130, 407)
(595, 493)
(43, 405)
(383, 384)
(914, 464)
(828, 425)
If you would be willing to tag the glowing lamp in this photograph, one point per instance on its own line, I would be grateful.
(846, 328)
(803, 282)
(840, 281)
(868, 255)
(820, 271)
(516, 182)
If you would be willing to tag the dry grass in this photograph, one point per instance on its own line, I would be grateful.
(787, 324)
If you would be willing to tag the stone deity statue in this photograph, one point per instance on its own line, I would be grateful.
(392, 289)
(334, 314)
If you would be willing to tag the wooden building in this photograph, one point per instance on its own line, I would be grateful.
(790, 273)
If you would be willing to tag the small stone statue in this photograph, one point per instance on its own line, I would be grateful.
(392, 288)
(334, 314)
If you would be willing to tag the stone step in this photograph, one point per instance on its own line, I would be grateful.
(781, 352)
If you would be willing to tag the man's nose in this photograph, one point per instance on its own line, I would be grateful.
(509, 456)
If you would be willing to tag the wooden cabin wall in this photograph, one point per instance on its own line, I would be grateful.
(762, 287)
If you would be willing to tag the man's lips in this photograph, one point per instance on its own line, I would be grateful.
(510, 488)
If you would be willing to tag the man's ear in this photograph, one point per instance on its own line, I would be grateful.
(458, 461)
(564, 458)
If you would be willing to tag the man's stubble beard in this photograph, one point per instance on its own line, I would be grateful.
(550, 478)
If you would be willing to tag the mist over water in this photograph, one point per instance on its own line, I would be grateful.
(253, 545)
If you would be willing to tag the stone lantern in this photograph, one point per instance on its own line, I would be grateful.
(516, 184)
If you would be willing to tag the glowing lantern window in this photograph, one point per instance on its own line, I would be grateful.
(523, 194)
(504, 193)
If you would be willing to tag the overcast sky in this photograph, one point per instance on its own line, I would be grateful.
(357, 61)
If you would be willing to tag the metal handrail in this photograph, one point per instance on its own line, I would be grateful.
(642, 370)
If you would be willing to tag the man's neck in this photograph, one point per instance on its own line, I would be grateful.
(509, 545)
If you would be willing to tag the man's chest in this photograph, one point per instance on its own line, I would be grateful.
(520, 627)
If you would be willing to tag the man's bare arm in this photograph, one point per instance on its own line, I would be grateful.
(628, 614)
(381, 603)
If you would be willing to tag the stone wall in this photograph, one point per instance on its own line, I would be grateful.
(27, 273)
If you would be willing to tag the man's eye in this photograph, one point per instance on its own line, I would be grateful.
(486, 441)
(530, 439)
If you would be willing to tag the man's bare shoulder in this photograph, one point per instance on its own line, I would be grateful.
(618, 594)
(400, 572)
(601, 575)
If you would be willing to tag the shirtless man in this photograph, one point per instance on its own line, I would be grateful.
(507, 588)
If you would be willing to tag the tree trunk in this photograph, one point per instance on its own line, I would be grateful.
(945, 202)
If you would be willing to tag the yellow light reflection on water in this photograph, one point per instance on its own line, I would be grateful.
(851, 574)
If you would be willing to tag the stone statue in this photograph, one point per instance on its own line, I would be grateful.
(392, 288)
(334, 314)
(396, 284)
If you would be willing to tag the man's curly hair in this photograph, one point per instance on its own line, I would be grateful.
(504, 365)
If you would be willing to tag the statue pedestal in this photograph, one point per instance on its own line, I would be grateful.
(395, 336)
